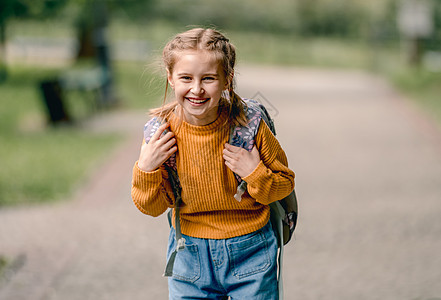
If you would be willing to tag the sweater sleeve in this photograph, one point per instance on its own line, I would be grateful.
(151, 191)
(271, 180)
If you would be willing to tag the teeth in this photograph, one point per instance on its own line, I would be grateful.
(197, 101)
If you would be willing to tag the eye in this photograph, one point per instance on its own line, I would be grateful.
(209, 78)
(185, 78)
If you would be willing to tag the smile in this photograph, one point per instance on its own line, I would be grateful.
(198, 100)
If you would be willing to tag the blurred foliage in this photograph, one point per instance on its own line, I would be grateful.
(322, 33)
(3, 264)
(10, 9)
(306, 18)
(336, 18)
(434, 41)
(29, 8)
(39, 163)
(302, 16)
(13, 9)
(422, 86)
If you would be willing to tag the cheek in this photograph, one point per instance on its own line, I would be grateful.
(216, 89)
(179, 90)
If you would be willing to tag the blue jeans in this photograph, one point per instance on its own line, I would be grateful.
(243, 267)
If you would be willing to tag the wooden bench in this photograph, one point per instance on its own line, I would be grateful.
(89, 82)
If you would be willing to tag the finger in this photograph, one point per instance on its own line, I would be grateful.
(160, 130)
(165, 138)
(168, 136)
(229, 155)
(232, 148)
(170, 143)
(172, 150)
(254, 151)
(226, 151)
(230, 166)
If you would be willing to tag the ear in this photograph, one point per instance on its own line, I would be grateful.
(170, 78)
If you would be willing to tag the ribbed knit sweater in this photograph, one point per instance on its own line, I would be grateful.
(209, 209)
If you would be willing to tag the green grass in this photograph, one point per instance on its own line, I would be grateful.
(46, 166)
(423, 87)
(3, 263)
(40, 163)
(291, 50)
(386, 59)
(252, 47)
(140, 86)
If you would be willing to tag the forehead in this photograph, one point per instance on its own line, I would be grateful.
(197, 60)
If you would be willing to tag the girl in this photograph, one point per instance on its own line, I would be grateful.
(230, 248)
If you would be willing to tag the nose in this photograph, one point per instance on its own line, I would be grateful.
(196, 88)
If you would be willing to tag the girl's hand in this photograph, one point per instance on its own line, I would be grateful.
(241, 161)
(158, 150)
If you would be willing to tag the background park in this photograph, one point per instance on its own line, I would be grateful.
(100, 59)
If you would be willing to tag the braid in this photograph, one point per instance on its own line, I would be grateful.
(215, 42)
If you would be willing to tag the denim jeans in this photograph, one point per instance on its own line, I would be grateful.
(243, 267)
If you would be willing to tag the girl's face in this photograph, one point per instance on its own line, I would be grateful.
(198, 81)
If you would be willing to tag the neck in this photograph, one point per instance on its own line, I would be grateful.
(194, 120)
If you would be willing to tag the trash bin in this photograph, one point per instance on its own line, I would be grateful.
(53, 100)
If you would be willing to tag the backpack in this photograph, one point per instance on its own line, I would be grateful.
(284, 212)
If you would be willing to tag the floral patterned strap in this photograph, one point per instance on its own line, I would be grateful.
(151, 127)
(149, 130)
(243, 136)
(240, 136)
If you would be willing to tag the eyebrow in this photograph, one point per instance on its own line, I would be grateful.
(208, 74)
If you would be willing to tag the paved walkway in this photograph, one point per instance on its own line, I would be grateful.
(368, 171)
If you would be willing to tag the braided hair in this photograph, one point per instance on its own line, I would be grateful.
(216, 43)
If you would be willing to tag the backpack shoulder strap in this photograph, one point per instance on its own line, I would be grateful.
(243, 136)
(149, 130)
(170, 165)
(151, 127)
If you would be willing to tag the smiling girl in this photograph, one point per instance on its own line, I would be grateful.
(230, 248)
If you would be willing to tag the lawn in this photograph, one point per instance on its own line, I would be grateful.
(40, 163)
(423, 87)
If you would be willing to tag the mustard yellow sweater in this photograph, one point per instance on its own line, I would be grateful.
(209, 209)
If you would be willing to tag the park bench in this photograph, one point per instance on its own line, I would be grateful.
(88, 82)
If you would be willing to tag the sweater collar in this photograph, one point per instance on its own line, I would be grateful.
(212, 127)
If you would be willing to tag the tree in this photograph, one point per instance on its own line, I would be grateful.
(10, 9)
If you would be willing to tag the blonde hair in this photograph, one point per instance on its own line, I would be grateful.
(216, 43)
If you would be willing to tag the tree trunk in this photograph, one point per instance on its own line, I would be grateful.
(3, 71)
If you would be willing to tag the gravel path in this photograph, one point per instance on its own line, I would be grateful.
(368, 168)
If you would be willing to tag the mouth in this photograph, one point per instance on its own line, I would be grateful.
(197, 101)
